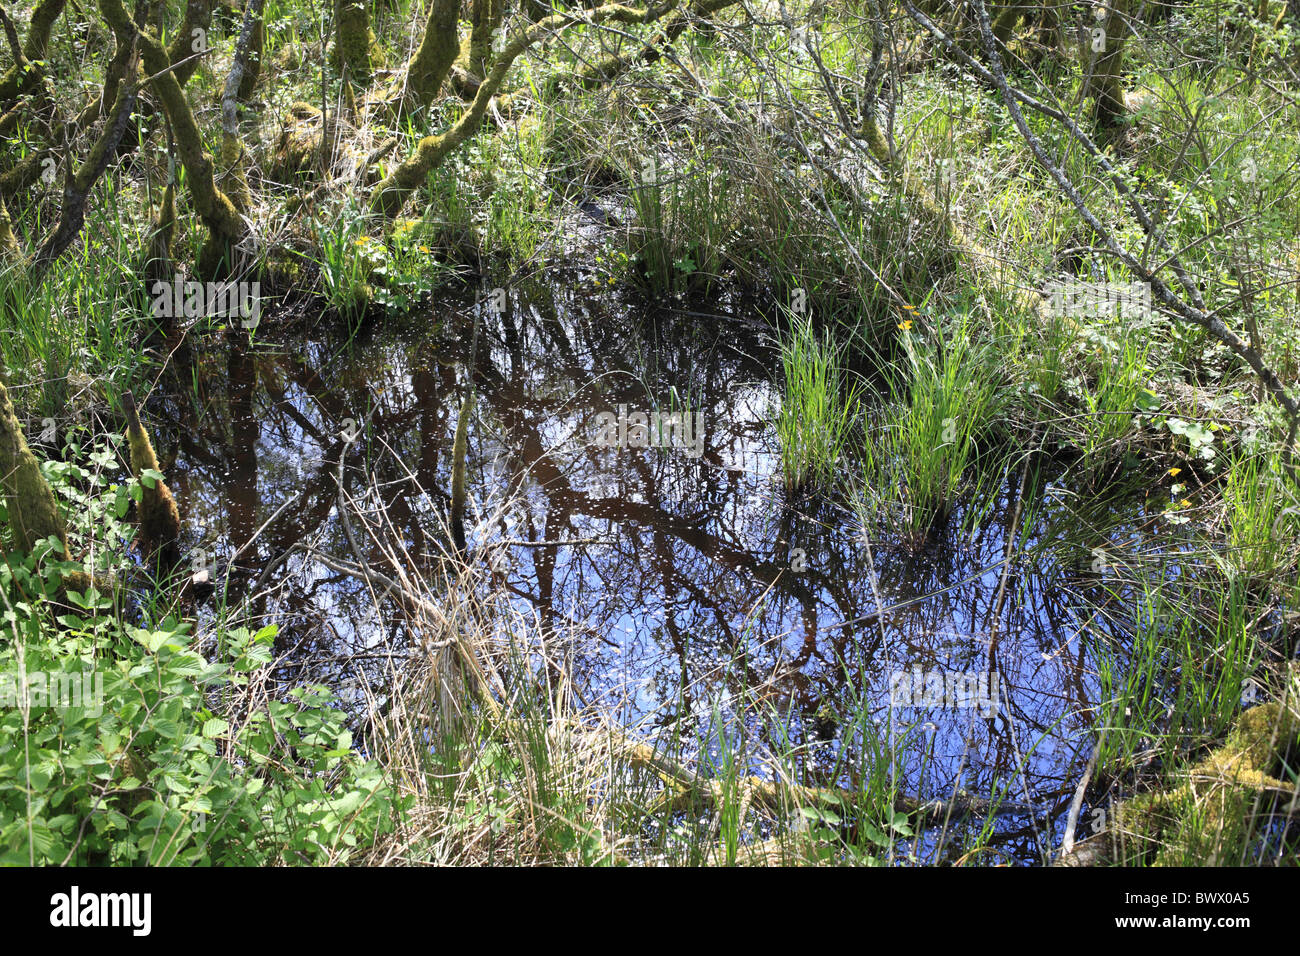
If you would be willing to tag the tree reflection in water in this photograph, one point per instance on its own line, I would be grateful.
(669, 576)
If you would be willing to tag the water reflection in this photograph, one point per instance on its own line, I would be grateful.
(686, 578)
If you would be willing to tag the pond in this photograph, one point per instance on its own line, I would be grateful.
(674, 580)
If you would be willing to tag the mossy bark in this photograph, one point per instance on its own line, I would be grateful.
(1211, 802)
(158, 267)
(297, 151)
(24, 175)
(674, 23)
(198, 16)
(1211, 805)
(437, 52)
(355, 51)
(77, 187)
(1005, 23)
(9, 248)
(391, 194)
(42, 25)
(160, 522)
(34, 514)
(19, 79)
(485, 20)
(1109, 111)
(218, 257)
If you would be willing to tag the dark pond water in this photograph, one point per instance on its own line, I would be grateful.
(676, 577)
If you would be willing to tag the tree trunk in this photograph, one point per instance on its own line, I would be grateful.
(353, 41)
(33, 511)
(432, 61)
(1109, 110)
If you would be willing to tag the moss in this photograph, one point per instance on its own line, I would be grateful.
(8, 242)
(438, 50)
(198, 16)
(1209, 807)
(297, 151)
(160, 521)
(1107, 80)
(485, 20)
(355, 49)
(33, 511)
(159, 265)
(38, 33)
(1005, 23)
(225, 226)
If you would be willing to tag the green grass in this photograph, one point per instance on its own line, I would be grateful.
(943, 401)
(818, 407)
(79, 330)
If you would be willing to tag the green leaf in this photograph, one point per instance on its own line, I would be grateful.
(900, 825)
(874, 835)
(1198, 434)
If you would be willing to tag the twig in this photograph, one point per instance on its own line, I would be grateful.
(1072, 821)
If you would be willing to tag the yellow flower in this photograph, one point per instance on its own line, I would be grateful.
(611, 280)
(424, 249)
(1175, 472)
(905, 325)
(1184, 503)
(909, 308)
(362, 240)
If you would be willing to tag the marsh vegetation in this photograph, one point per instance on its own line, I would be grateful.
(698, 432)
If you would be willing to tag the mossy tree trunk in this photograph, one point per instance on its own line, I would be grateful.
(354, 43)
(9, 248)
(185, 50)
(392, 193)
(77, 187)
(219, 256)
(160, 522)
(18, 80)
(486, 18)
(158, 267)
(1004, 24)
(437, 52)
(33, 511)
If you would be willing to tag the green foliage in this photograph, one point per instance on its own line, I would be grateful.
(817, 410)
(943, 402)
(170, 765)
